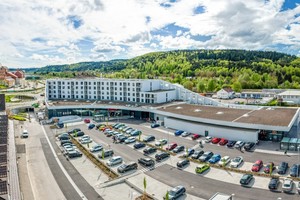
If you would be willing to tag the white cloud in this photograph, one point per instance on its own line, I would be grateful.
(41, 31)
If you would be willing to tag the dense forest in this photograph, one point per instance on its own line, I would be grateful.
(198, 70)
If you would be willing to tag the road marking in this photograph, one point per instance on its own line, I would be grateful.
(146, 169)
(62, 168)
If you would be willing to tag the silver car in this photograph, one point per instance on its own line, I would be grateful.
(114, 161)
(287, 185)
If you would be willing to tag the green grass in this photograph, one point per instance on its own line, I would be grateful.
(8, 98)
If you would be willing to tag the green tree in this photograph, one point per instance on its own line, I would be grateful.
(201, 86)
(188, 85)
(211, 85)
(237, 87)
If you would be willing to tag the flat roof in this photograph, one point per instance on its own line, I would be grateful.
(265, 116)
(290, 92)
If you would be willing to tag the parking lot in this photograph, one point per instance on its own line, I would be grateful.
(129, 153)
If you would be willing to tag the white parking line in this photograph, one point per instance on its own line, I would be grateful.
(62, 168)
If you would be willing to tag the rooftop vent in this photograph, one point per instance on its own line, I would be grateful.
(178, 107)
(197, 110)
(220, 113)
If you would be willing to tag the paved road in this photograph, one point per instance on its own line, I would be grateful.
(205, 188)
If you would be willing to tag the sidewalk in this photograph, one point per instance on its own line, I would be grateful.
(272, 148)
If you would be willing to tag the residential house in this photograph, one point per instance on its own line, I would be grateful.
(225, 93)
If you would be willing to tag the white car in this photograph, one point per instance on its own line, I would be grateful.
(185, 134)
(84, 138)
(224, 161)
(130, 130)
(208, 139)
(130, 140)
(161, 142)
(239, 144)
(96, 148)
(114, 161)
(235, 162)
(287, 185)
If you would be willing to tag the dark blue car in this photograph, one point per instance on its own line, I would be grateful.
(139, 145)
(91, 126)
(178, 132)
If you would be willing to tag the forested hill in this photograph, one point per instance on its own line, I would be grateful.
(199, 70)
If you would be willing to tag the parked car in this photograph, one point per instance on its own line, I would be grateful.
(273, 184)
(257, 166)
(130, 130)
(223, 142)
(208, 139)
(178, 149)
(60, 137)
(246, 179)
(126, 129)
(185, 134)
(91, 126)
(189, 152)
(146, 162)
(135, 133)
(114, 161)
(182, 163)
(139, 145)
(100, 125)
(106, 153)
(239, 144)
(130, 140)
(270, 166)
(282, 168)
(74, 130)
(122, 138)
(178, 132)
(86, 120)
(84, 137)
(287, 185)
(161, 142)
(74, 154)
(224, 161)
(176, 192)
(215, 140)
(149, 150)
(298, 187)
(65, 141)
(231, 143)
(249, 145)
(294, 171)
(235, 162)
(197, 154)
(214, 159)
(162, 155)
(154, 125)
(127, 167)
(86, 141)
(149, 138)
(96, 148)
(171, 146)
(206, 156)
(195, 136)
(201, 168)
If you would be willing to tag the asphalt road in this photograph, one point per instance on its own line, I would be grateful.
(200, 186)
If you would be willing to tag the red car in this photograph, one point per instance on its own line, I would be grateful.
(269, 166)
(257, 166)
(223, 142)
(171, 146)
(195, 136)
(215, 140)
(86, 120)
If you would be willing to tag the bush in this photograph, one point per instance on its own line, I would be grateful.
(16, 117)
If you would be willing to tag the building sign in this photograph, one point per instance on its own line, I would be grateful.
(2, 102)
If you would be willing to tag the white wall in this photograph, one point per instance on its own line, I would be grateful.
(214, 131)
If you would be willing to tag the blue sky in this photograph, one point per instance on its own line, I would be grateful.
(38, 33)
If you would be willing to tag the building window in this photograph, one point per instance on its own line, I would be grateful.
(120, 98)
(128, 99)
(120, 93)
(133, 99)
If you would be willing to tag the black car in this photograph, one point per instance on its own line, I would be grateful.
(176, 192)
(249, 145)
(127, 167)
(78, 134)
(161, 156)
(294, 171)
(106, 153)
(64, 137)
(182, 163)
(149, 150)
(246, 179)
(178, 149)
(282, 168)
(74, 154)
(231, 143)
(122, 138)
(149, 138)
(197, 154)
(65, 141)
(146, 162)
(139, 145)
(273, 184)
(206, 156)
(74, 130)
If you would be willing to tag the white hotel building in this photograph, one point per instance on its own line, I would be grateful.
(122, 90)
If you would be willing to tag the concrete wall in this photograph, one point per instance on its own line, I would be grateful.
(230, 133)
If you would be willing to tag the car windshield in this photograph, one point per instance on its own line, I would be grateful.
(173, 192)
(286, 185)
(237, 159)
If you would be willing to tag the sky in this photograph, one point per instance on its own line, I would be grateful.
(36, 33)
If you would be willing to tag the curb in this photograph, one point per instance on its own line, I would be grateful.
(139, 189)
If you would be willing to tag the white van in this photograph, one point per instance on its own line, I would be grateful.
(24, 134)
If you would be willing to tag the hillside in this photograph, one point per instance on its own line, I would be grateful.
(199, 70)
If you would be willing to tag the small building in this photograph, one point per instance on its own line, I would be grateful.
(289, 96)
(225, 93)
